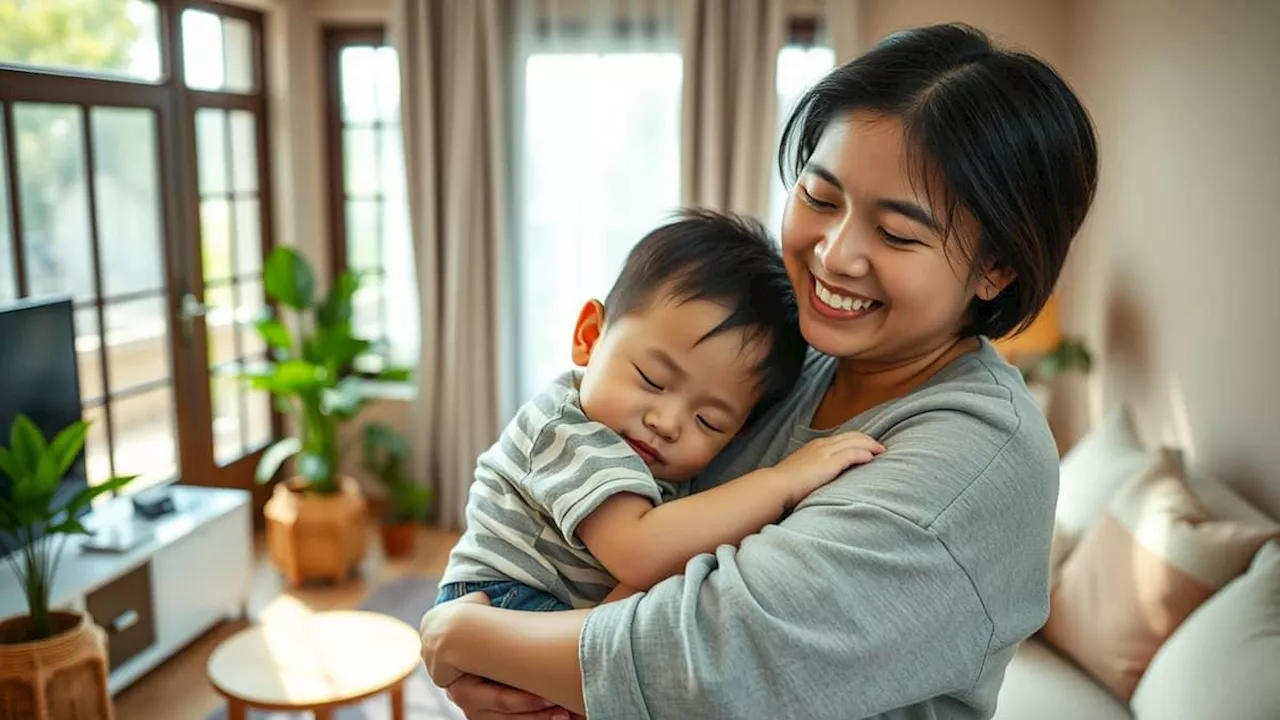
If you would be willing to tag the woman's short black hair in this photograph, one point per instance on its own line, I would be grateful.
(727, 259)
(1005, 135)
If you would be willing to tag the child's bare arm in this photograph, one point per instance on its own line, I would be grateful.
(641, 544)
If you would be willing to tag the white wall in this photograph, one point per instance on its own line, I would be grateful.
(1176, 277)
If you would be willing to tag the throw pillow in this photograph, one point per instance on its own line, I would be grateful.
(1222, 661)
(1139, 571)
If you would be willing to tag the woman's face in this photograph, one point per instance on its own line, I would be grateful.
(865, 250)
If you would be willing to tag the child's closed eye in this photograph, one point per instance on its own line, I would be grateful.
(647, 380)
(709, 426)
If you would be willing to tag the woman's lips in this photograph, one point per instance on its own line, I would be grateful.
(822, 308)
(646, 451)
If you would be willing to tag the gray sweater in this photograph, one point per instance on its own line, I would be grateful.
(901, 590)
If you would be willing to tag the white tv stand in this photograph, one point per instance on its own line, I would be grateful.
(193, 570)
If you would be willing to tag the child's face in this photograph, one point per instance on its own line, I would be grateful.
(675, 397)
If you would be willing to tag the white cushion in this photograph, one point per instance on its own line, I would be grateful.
(1223, 662)
(1090, 473)
(1040, 684)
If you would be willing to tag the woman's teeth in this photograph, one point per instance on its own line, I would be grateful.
(840, 302)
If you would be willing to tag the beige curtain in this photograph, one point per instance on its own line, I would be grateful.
(730, 49)
(843, 20)
(451, 59)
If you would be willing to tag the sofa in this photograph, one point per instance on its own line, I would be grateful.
(1221, 661)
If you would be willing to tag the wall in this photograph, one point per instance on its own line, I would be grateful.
(1174, 278)
(1038, 27)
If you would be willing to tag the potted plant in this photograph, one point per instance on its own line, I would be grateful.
(1069, 355)
(407, 503)
(316, 519)
(48, 658)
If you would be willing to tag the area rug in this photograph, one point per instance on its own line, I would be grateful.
(405, 598)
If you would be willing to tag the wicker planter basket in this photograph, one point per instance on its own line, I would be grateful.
(397, 539)
(317, 537)
(61, 678)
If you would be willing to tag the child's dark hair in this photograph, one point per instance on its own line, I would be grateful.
(725, 259)
(1006, 136)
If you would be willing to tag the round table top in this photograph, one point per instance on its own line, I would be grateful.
(315, 660)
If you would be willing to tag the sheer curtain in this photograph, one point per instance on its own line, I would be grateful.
(596, 94)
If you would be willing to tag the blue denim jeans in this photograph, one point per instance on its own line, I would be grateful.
(507, 594)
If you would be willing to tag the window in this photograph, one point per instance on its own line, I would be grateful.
(368, 205)
(799, 67)
(96, 202)
(597, 154)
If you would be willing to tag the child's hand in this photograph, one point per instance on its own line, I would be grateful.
(821, 460)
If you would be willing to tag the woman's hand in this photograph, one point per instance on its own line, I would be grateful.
(482, 699)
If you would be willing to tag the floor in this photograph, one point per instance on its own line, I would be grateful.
(179, 685)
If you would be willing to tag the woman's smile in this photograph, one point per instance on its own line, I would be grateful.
(837, 303)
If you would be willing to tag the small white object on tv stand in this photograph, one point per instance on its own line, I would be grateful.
(201, 568)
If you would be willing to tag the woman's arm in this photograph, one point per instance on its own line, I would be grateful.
(640, 544)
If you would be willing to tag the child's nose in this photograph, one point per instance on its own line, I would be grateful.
(662, 422)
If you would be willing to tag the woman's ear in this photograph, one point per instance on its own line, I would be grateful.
(994, 281)
(587, 332)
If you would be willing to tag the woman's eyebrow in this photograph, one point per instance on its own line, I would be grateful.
(825, 174)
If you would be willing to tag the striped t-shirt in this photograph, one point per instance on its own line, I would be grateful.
(550, 469)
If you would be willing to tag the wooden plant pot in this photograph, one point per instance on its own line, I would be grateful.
(397, 539)
(317, 537)
(61, 678)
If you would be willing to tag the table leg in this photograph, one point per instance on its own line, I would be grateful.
(397, 701)
(323, 714)
(236, 710)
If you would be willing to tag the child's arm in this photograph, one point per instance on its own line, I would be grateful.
(641, 544)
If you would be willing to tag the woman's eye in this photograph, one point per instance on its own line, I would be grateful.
(813, 202)
(647, 381)
(708, 425)
(895, 240)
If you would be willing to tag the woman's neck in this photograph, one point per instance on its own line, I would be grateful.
(859, 386)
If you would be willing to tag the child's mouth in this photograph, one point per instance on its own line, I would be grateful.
(645, 451)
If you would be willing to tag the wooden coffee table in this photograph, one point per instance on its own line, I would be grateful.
(315, 662)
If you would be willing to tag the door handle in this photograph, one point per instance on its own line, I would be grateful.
(189, 310)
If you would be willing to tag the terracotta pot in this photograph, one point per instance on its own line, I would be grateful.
(317, 537)
(397, 539)
(61, 678)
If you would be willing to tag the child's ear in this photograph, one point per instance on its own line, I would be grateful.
(587, 332)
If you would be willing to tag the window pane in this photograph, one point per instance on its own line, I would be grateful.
(613, 117)
(55, 199)
(239, 55)
(97, 454)
(202, 50)
(250, 304)
(145, 442)
(362, 234)
(8, 279)
(244, 152)
(248, 237)
(215, 230)
(798, 68)
(357, 66)
(116, 37)
(366, 320)
(128, 202)
(220, 324)
(225, 389)
(360, 160)
(87, 357)
(211, 150)
(137, 342)
(387, 78)
(259, 429)
(392, 165)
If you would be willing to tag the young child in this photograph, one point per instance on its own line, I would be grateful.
(574, 503)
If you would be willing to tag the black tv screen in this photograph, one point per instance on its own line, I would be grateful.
(39, 378)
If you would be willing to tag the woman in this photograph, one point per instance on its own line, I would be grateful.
(938, 184)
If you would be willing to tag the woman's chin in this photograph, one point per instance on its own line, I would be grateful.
(833, 340)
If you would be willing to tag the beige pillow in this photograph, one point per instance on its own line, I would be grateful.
(1153, 556)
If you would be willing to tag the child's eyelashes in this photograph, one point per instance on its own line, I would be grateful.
(647, 380)
(709, 426)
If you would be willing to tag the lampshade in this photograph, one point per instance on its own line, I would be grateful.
(1043, 336)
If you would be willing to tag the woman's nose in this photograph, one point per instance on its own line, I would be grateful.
(844, 252)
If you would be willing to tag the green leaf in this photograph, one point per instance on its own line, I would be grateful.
(292, 377)
(86, 496)
(346, 399)
(336, 308)
(273, 457)
(315, 468)
(8, 463)
(27, 445)
(288, 279)
(70, 526)
(396, 375)
(66, 446)
(275, 334)
(334, 347)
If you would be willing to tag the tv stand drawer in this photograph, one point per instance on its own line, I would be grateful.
(123, 608)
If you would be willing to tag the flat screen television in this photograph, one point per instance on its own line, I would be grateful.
(39, 377)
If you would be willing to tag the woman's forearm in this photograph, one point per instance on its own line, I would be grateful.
(535, 652)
